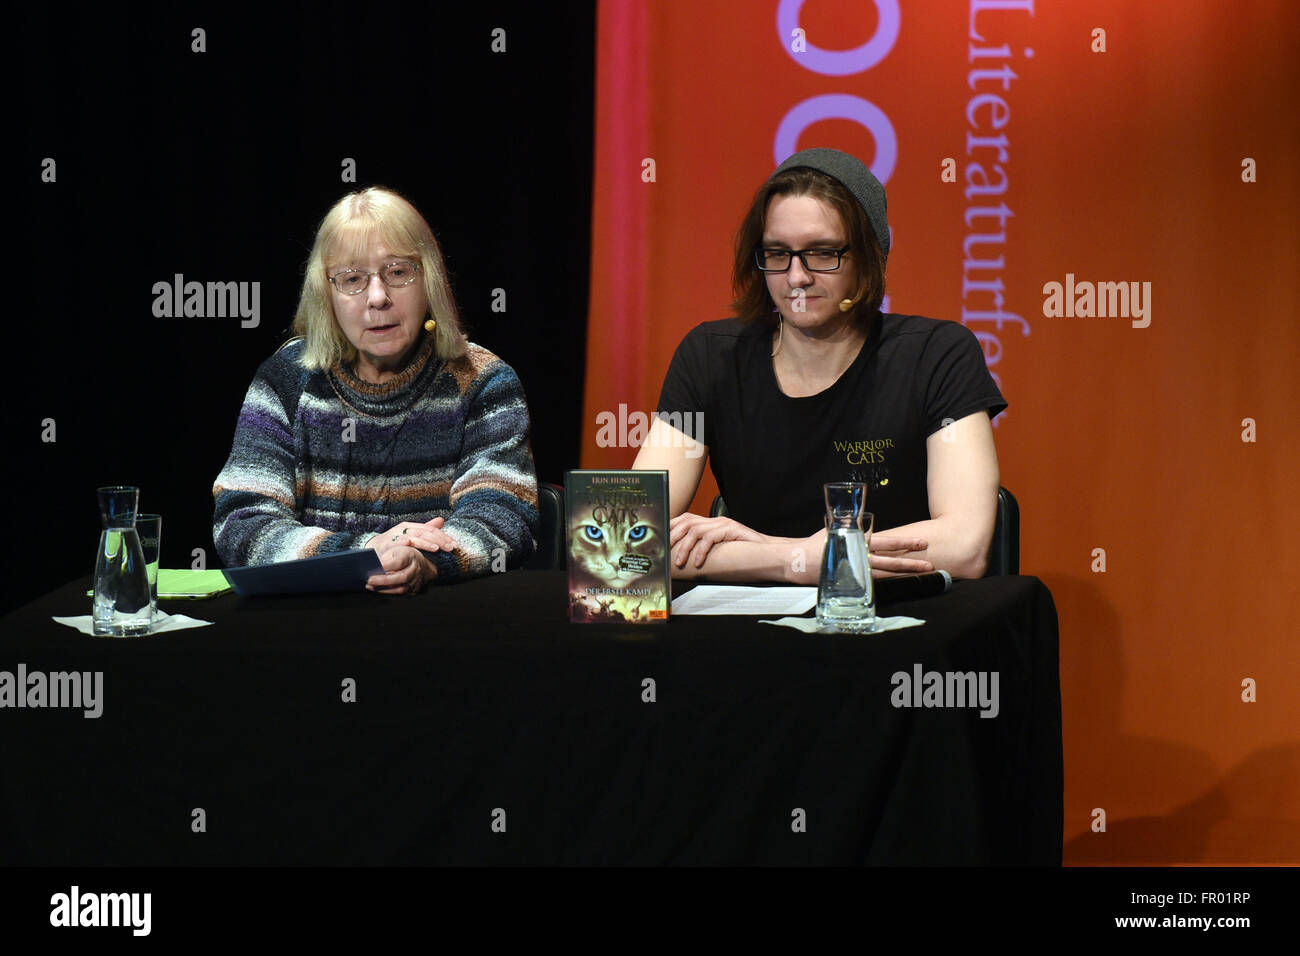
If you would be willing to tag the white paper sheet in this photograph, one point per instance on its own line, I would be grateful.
(738, 599)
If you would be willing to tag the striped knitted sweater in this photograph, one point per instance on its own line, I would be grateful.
(323, 460)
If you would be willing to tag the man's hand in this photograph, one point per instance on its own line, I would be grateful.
(693, 536)
(889, 555)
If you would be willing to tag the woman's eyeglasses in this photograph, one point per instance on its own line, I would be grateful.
(394, 275)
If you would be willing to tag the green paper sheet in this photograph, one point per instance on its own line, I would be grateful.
(186, 583)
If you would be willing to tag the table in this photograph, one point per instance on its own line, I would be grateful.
(486, 729)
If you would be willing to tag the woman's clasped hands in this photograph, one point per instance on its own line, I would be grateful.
(401, 550)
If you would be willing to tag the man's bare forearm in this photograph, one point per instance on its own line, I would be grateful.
(783, 560)
(952, 546)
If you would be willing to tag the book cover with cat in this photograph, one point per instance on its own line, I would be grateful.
(618, 546)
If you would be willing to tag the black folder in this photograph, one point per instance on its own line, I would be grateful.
(342, 571)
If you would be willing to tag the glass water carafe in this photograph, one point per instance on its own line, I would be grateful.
(846, 600)
(122, 607)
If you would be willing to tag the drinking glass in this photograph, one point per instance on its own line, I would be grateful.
(149, 529)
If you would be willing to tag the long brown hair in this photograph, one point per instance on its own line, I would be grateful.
(753, 303)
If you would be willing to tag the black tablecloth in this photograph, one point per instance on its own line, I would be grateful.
(479, 706)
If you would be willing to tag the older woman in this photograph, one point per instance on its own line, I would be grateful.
(379, 425)
(812, 383)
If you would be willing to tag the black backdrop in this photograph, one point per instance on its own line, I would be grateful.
(218, 165)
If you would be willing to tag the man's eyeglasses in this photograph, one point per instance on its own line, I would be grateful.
(814, 260)
(394, 275)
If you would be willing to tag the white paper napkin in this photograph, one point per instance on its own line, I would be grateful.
(809, 624)
(162, 621)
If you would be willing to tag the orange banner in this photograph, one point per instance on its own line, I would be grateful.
(1106, 194)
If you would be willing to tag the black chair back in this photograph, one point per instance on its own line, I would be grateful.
(551, 535)
(1004, 550)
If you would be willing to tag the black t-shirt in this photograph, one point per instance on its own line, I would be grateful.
(771, 454)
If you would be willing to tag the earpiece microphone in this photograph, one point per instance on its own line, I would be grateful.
(846, 304)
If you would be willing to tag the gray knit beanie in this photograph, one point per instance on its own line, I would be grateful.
(855, 177)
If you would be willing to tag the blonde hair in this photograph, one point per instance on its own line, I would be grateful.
(354, 225)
